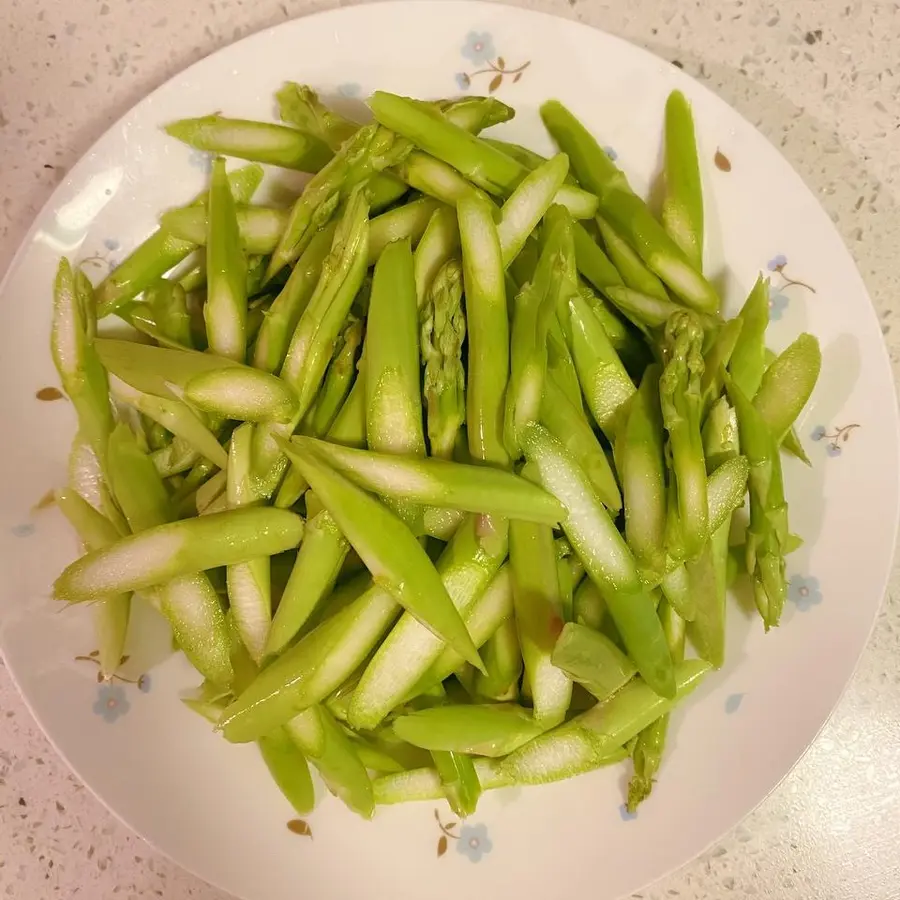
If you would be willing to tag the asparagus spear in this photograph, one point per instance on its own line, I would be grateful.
(768, 531)
(443, 330)
(168, 302)
(682, 210)
(715, 361)
(299, 105)
(261, 142)
(502, 657)
(180, 548)
(225, 311)
(289, 770)
(528, 203)
(681, 399)
(586, 741)
(651, 742)
(592, 262)
(315, 571)
(635, 274)
(439, 243)
(436, 179)
(748, 359)
(537, 603)
(249, 582)
(534, 309)
(787, 385)
(491, 730)
(606, 385)
(438, 482)
(642, 470)
(488, 331)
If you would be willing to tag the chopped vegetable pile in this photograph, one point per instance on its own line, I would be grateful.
(436, 474)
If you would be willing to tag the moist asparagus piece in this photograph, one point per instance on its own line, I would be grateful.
(682, 209)
(262, 142)
(439, 482)
(443, 331)
(225, 310)
(180, 548)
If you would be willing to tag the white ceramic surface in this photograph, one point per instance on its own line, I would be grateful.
(210, 806)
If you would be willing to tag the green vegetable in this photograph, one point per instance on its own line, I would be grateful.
(592, 659)
(477, 489)
(225, 310)
(289, 769)
(443, 331)
(682, 210)
(260, 142)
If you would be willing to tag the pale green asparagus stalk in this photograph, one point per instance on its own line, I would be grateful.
(439, 243)
(225, 311)
(682, 210)
(260, 227)
(443, 331)
(261, 142)
(488, 331)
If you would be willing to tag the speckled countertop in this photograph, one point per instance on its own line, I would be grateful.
(821, 79)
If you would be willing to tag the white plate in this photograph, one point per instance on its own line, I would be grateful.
(211, 806)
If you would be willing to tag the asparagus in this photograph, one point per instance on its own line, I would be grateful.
(288, 767)
(592, 659)
(651, 742)
(408, 221)
(181, 548)
(225, 310)
(605, 384)
(249, 582)
(168, 302)
(682, 210)
(680, 397)
(502, 657)
(443, 331)
(748, 359)
(261, 142)
(488, 331)
(537, 603)
(768, 531)
(279, 324)
(643, 474)
(439, 482)
(787, 385)
(438, 244)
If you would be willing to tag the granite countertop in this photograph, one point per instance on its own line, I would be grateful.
(821, 80)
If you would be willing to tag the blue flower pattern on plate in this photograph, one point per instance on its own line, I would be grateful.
(611, 153)
(777, 262)
(25, 529)
(474, 842)
(733, 703)
(805, 592)
(626, 814)
(478, 47)
(111, 702)
(462, 80)
(350, 89)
